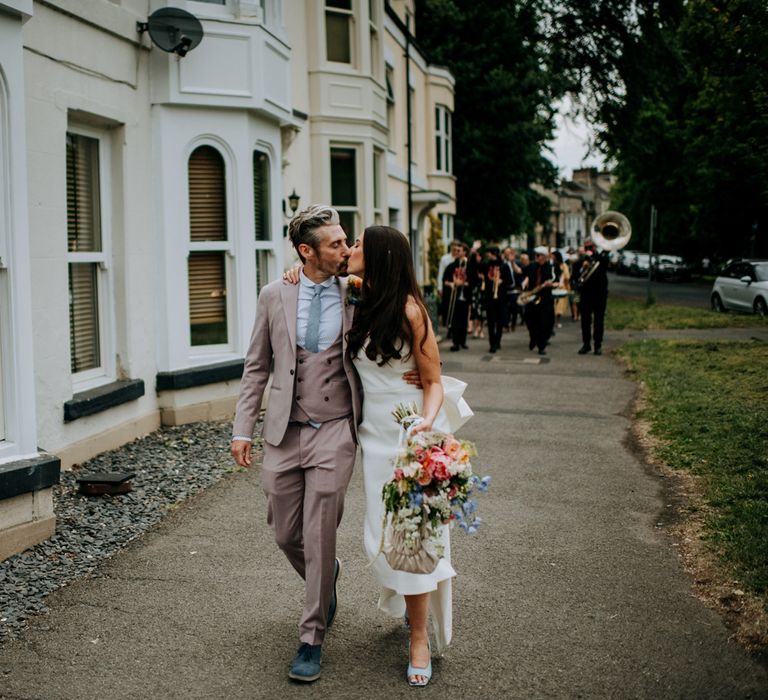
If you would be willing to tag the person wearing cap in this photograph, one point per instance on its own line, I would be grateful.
(593, 298)
(539, 316)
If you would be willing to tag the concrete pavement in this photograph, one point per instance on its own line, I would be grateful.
(570, 590)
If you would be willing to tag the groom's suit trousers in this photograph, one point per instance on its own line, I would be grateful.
(305, 480)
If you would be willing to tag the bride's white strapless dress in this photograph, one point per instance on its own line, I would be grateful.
(384, 388)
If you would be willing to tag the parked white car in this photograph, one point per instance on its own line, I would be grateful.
(742, 286)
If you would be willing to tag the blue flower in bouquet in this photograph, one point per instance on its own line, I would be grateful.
(481, 484)
(416, 499)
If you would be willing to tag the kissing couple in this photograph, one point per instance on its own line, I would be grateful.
(340, 363)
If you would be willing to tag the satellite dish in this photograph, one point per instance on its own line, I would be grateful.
(173, 30)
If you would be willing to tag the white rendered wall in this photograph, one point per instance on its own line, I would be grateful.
(18, 379)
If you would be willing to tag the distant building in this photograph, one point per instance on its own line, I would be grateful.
(145, 197)
(574, 205)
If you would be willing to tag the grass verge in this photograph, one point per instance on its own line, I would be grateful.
(706, 407)
(633, 314)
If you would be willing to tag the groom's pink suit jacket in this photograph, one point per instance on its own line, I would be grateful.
(274, 338)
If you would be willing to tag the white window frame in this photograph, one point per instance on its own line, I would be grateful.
(443, 148)
(446, 220)
(6, 226)
(227, 246)
(374, 38)
(353, 62)
(268, 247)
(378, 186)
(106, 371)
(357, 208)
(204, 9)
(389, 79)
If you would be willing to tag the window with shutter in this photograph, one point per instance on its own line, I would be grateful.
(206, 267)
(85, 254)
(261, 196)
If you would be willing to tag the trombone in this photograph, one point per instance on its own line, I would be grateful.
(459, 277)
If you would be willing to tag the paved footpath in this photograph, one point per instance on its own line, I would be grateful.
(570, 590)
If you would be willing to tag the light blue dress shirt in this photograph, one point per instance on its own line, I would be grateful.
(330, 311)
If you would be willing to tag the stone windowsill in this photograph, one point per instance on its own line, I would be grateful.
(101, 398)
(27, 475)
(199, 376)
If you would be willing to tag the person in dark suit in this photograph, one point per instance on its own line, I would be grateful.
(498, 279)
(593, 294)
(539, 314)
(457, 293)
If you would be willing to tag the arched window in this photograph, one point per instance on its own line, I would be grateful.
(209, 244)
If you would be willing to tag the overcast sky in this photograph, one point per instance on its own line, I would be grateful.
(570, 146)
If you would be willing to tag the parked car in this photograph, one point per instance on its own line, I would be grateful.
(624, 261)
(639, 265)
(671, 267)
(742, 286)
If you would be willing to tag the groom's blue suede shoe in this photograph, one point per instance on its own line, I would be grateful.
(334, 599)
(305, 666)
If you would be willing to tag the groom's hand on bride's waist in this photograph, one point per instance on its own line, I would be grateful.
(412, 377)
(241, 452)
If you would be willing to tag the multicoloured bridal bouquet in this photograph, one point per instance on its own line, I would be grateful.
(354, 289)
(431, 487)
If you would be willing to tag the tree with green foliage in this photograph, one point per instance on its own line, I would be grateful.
(505, 92)
(679, 92)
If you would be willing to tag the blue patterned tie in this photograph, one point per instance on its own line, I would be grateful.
(313, 321)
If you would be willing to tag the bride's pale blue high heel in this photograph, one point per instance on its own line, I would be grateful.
(412, 671)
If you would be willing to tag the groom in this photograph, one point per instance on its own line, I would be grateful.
(311, 420)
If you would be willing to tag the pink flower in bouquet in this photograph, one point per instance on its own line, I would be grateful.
(442, 473)
(440, 464)
(426, 474)
(452, 447)
(421, 454)
(399, 474)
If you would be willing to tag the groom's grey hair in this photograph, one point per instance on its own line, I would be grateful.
(303, 227)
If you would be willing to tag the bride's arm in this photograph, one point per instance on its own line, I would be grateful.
(428, 363)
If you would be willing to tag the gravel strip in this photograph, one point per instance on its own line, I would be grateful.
(171, 465)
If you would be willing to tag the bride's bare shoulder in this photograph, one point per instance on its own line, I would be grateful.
(413, 310)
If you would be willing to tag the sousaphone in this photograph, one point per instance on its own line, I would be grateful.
(611, 231)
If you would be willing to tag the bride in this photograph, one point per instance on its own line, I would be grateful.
(390, 334)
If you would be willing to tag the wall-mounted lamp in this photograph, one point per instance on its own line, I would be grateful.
(293, 201)
(293, 205)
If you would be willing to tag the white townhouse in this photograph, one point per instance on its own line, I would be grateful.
(144, 197)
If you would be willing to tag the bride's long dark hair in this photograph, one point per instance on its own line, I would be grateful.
(389, 282)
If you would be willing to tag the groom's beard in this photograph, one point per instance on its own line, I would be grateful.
(342, 271)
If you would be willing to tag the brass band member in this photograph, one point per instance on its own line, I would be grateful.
(539, 314)
(457, 293)
(593, 294)
(498, 280)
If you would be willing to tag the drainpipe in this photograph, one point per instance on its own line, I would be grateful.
(411, 232)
